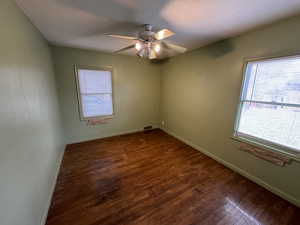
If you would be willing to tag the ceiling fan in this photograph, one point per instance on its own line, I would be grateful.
(149, 43)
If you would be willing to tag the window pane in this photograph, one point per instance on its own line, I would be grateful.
(97, 105)
(276, 80)
(273, 123)
(94, 81)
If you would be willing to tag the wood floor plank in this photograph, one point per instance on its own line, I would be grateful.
(154, 179)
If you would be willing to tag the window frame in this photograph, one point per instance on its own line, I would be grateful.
(259, 142)
(80, 105)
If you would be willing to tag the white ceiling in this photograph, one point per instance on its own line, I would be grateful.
(82, 23)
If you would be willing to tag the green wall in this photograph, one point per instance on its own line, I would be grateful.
(136, 93)
(30, 128)
(200, 94)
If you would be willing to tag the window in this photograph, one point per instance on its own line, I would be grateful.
(269, 111)
(95, 96)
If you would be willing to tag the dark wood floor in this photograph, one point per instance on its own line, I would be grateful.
(154, 179)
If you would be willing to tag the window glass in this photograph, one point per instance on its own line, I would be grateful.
(97, 105)
(274, 81)
(270, 102)
(95, 87)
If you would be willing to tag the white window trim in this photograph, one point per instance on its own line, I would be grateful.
(268, 145)
(80, 107)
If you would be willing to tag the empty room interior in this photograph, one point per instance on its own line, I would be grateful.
(139, 112)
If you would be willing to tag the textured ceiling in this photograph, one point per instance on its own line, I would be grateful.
(82, 23)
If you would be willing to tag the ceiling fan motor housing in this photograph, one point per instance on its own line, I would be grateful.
(148, 27)
(147, 35)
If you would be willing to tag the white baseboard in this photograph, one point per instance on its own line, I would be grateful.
(57, 169)
(111, 135)
(240, 171)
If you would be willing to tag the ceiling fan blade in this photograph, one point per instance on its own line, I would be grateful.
(121, 36)
(163, 34)
(126, 48)
(175, 47)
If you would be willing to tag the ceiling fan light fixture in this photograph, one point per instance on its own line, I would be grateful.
(152, 54)
(157, 48)
(138, 46)
(143, 53)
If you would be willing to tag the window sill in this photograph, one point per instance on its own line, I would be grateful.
(97, 118)
(295, 156)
